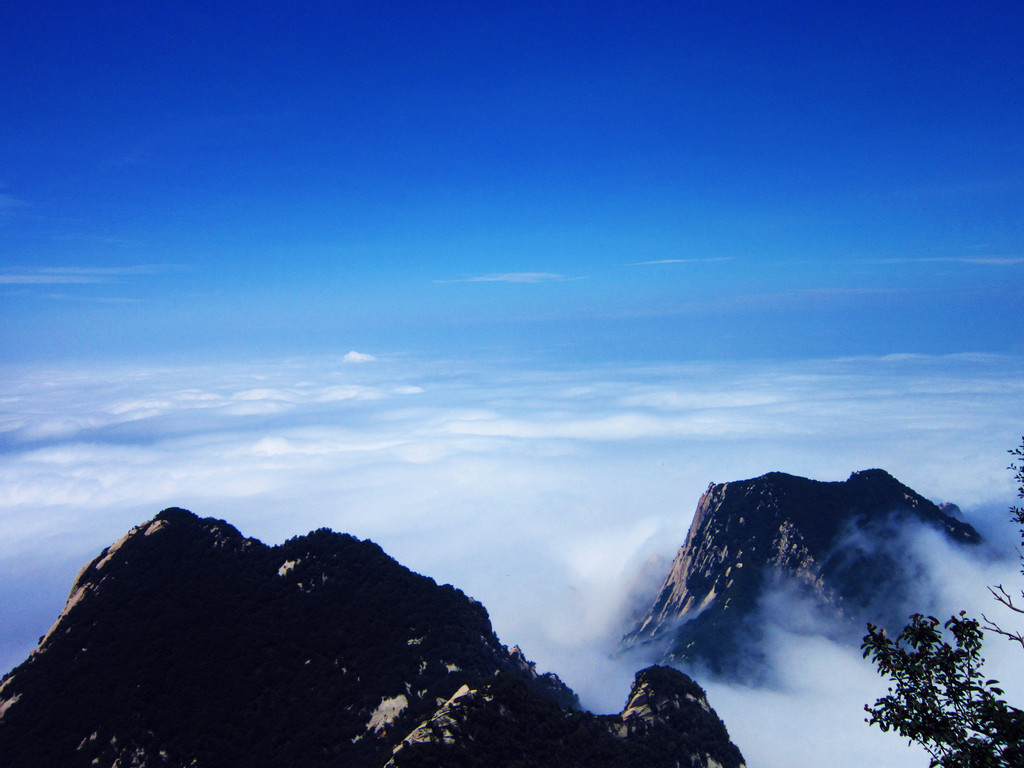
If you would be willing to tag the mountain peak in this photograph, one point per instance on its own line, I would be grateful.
(874, 475)
(176, 514)
(667, 720)
(184, 643)
(656, 692)
(779, 528)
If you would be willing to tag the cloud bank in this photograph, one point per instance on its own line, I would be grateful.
(541, 492)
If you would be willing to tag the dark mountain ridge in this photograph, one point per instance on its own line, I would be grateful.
(837, 546)
(185, 643)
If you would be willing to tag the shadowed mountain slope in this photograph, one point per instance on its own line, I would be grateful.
(186, 644)
(839, 547)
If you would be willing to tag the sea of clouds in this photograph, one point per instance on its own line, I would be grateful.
(553, 494)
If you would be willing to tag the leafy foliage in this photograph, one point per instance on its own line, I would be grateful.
(940, 699)
(1017, 514)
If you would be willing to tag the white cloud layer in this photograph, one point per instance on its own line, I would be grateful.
(540, 492)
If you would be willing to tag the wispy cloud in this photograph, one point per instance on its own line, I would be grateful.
(9, 203)
(46, 278)
(93, 299)
(512, 277)
(358, 357)
(85, 237)
(680, 261)
(76, 275)
(759, 301)
(992, 261)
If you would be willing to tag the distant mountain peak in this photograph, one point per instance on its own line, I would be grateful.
(872, 474)
(176, 514)
(748, 535)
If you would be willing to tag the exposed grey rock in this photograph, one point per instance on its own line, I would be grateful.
(667, 721)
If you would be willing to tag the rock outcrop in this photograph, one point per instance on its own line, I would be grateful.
(666, 721)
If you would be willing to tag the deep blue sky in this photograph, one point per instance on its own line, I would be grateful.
(498, 178)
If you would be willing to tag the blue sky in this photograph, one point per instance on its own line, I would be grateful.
(503, 287)
(191, 181)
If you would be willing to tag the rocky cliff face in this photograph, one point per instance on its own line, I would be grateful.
(666, 721)
(186, 644)
(835, 544)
